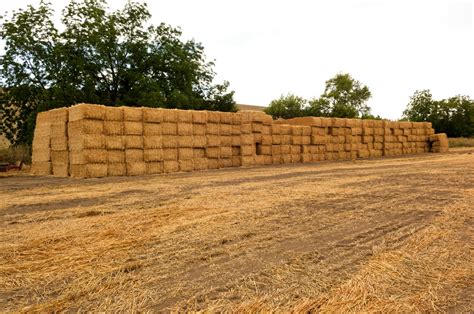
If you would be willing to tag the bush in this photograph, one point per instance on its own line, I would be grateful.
(16, 153)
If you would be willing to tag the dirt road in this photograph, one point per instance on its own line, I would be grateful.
(387, 234)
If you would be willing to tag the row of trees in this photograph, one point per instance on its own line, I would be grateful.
(453, 116)
(343, 97)
(98, 56)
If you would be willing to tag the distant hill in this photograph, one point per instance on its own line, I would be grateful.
(250, 107)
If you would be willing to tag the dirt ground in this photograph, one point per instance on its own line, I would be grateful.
(390, 234)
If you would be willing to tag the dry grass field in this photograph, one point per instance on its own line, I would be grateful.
(385, 235)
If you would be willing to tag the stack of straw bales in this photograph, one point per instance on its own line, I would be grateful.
(98, 141)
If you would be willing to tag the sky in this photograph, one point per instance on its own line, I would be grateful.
(269, 48)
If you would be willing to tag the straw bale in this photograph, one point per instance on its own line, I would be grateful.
(88, 156)
(199, 152)
(185, 116)
(170, 154)
(259, 160)
(199, 129)
(153, 154)
(186, 165)
(87, 141)
(266, 149)
(295, 149)
(185, 128)
(247, 139)
(276, 159)
(367, 123)
(357, 131)
(136, 168)
(227, 117)
(367, 131)
(235, 150)
(427, 125)
(152, 142)
(58, 130)
(430, 132)
(200, 164)
(42, 130)
(378, 138)
(170, 115)
(405, 125)
(212, 152)
(213, 163)
(417, 125)
(185, 141)
(132, 141)
(256, 116)
(225, 140)
(285, 149)
(41, 154)
(363, 153)
(266, 130)
(132, 128)
(115, 156)
(297, 140)
(213, 116)
(225, 162)
(439, 149)
(378, 145)
(407, 132)
(326, 122)
(257, 137)
(309, 121)
(379, 131)
(329, 147)
(442, 138)
(285, 159)
(402, 138)
(338, 122)
(60, 157)
(244, 116)
(296, 130)
(80, 112)
(169, 128)
(276, 139)
(336, 131)
(59, 143)
(169, 141)
(236, 129)
(286, 139)
(267, 120)
(90, 170)
(236, 140)
(319, 139)
(170, 166)
(266, 140)
(351, 123)
(257, 127)
(150, 128)
(199, 141)
(133, 155)
(247, 150)
(213, 140)
(113, 127)
(306, 140)
(225, 129)
(236, 161)
(212, 128)
(295, 158)
(116, 169)
(43, 118)
(199, 117)
(132, 114)
(42, 168)
(286, 129)
(113, 114)
(318, 131)
(77, 128)
(185, 153)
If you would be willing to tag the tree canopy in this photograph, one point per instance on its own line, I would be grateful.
(343, 97)
(99, 56)
(453, 116)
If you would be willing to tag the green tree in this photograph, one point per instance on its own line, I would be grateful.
(112, 58)
(287, 106)
(343, 97)
(453, 116)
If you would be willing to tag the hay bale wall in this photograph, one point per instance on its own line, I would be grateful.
(98, 141)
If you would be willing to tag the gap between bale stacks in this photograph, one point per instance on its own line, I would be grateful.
(97, 141)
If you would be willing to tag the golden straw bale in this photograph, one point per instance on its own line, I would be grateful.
(185, 116)
(367, 123)
(295, 149)
(295, 158)
(199, 141)
(213, 116)
(326, 122)
(259, 160)
(247, 139)
(42, 168)
(200, 164)
(236, 129)
(246, 128)
(257, 127)
(306, 140)
(256, 116)
(136, 168)
(169, 128)
(319, 131)
(225, 129)
(133, 155)
(236, 140)
(84, 111)
(247, 150)
(225, 140)
(297, 140)
(132, 114)
(236, 119)
(276, 150)
(285, 139)
(42, 130)
(225, 152)
(170, 115)
(77, 128)
(235, 150)
(114, 114)
(169, 141)
(225, 162)
(58, 130)
(152, 142)
(441, 138)
(213, 140)
(60, 169)
(150, 128)
(116, 169)
(60, 157)
(427, 125)
(286, 129)
(41, 154)
(170, 154)
(133, 128)
(154, 167)
(213, 163)
(199, 129)
(115, 156)
(153, 115)
(185, 141)
(306, 130)
(132, 141)
(378, 138)
(379, 131)
(285, 149)
(405, 125)
(308, 121)
(43, 118)
(199, 117)
(59, 143)
(199, 152)
(276, 129)
(212, 152)
(185, 128)
(88, 156)
(266, 140)
(186, 165)
(378, 145)
(87, 141)
(368, 131)
(113, 127)
(153, 154)
(170, 166)
(266, 149)
(276, 159)
(236, 161)
(212, 128)
(90, 170)
(185, 153)
(276, 139)
(226, 117)
(338, 122)
(297, 130)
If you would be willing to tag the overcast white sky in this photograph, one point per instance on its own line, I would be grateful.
(269, 48)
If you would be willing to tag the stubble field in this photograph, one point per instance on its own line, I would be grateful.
(391, 234)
